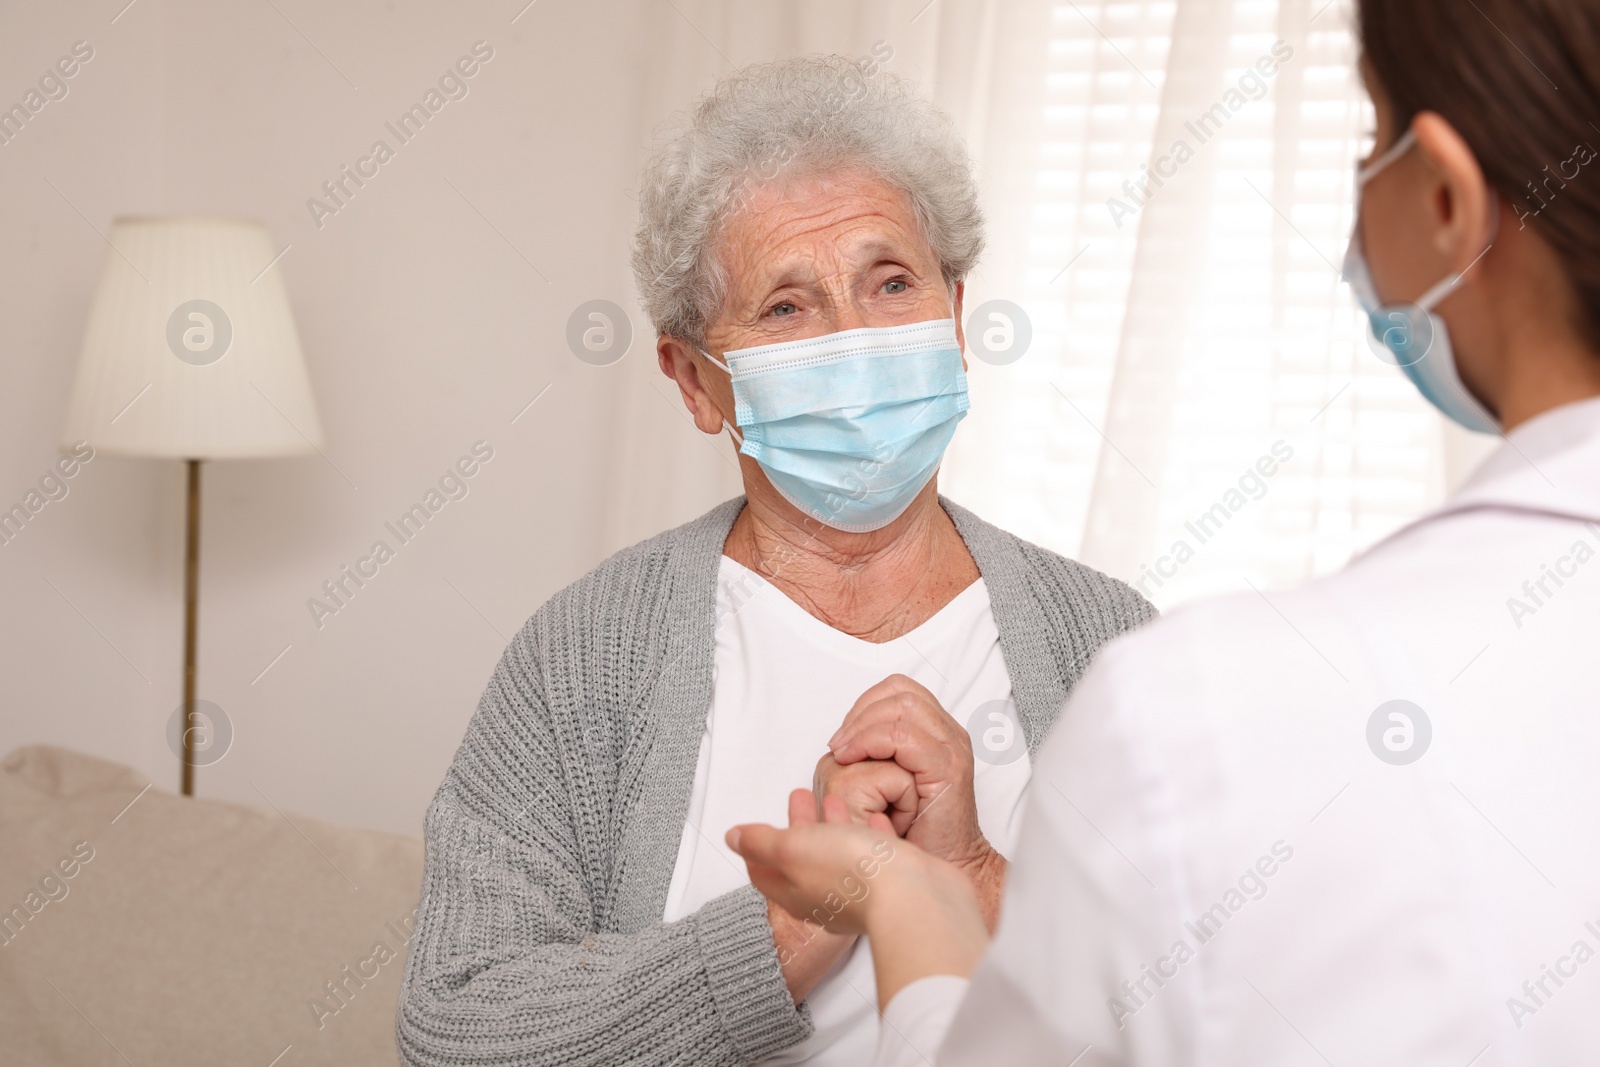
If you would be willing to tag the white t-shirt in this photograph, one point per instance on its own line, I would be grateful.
(782, 683)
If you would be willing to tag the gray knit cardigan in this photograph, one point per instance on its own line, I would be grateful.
(551, 842)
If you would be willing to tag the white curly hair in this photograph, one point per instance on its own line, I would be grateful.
(772, 120)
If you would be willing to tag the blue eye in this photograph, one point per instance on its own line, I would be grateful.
(897, 285)
(784, 308)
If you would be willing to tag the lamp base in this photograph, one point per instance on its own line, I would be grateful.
(191, 598)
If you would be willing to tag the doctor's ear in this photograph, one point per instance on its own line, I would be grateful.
(680, 362)
(1458, 204)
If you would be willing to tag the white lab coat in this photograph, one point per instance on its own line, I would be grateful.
(1209, 823)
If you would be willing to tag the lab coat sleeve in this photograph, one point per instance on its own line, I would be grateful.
(915, 1022)
(1094, 903)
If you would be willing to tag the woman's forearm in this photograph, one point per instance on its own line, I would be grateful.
(806, 951)
(987, 873)
(927, 921)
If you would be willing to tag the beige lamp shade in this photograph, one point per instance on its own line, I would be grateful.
(191, 350)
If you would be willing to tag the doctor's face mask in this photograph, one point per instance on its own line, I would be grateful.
(1410, 335)
(849, 427)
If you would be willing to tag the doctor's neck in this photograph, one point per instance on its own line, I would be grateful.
(1525, 341)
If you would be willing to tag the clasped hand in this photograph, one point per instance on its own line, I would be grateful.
(898, 765)
(887, 845)
(899, 753)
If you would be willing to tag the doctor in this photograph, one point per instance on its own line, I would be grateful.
(1358, 822)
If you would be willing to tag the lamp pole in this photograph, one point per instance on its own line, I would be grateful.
(191, 589)
(199, 320)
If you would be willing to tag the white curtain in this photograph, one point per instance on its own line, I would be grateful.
(1197, 410)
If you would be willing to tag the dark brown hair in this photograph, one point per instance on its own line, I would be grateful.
(1520, 81)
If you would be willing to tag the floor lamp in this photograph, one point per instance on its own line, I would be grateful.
(191, 354)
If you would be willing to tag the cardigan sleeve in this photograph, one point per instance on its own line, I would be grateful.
(508, 962)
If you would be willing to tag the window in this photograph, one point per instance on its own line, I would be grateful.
(1198, 407)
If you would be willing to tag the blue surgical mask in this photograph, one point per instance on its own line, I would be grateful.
(850, 426)
(1416, 338)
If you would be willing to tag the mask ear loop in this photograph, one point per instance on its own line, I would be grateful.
(1427, 301)
(1444, 288)
(1394, 152)
(1355, 256)
(733, 430)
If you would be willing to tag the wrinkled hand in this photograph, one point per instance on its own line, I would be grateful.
(869, 787)
(900, 720)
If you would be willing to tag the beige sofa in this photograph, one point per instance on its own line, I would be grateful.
(141, 927)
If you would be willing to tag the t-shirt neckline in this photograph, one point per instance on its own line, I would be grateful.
(969, 604)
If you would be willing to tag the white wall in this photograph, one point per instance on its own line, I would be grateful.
(424, 330)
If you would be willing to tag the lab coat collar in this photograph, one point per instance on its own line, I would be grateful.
(1550, 465)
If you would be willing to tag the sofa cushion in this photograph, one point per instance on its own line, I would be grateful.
(137, 925)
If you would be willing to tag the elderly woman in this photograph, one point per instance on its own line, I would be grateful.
(801, 251)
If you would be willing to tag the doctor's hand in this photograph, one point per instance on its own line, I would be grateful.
(806, 950)
(900, 720)
(920, 913)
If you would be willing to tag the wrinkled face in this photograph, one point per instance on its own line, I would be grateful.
(824, 253)
(817, 254)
